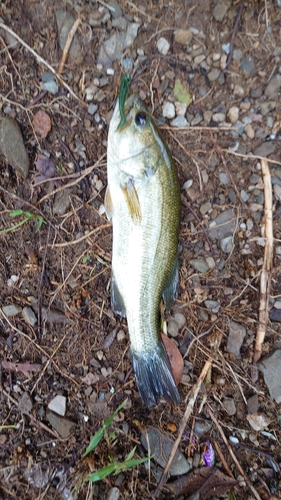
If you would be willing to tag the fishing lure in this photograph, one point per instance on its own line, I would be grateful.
(124, 87)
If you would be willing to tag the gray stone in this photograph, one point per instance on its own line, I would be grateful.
(253, 404)
(29, 316)
(61, 203)
(160, 446)
(168, 110)
(12, 146)
(181, 319)
(214, 74)
(267, 107)
(229, 405)
(11, 310)
(113, 494)
(264, 149)
(173, 328)
(92, 108)
(179, 121)
(237, 54)
(163, 46)
(200, 265)
(277, 191)
(224, 179)
(112, 49)
(25, 403)
(271, 369)
(115, 10)
(62, 425)
(256, 92)
(218, 117)
(227, 244)
(233, 114)
(235, 338)
(223, 225)
(120, 23)
(273, 86)
(247, 66)
(206, 207)
(220, 10)
(212, 305)
(58, 405)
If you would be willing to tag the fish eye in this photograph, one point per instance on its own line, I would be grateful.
(141, 119)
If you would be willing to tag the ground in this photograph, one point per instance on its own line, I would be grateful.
(63, 339)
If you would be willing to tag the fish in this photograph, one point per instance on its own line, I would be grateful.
(143, 202)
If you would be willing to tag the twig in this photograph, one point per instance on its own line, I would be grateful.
(67, 44)
(267, 262)
(189, 408)
(41, 60)
(223, 461)
(237, 20)
(241, 470)
(39, 314)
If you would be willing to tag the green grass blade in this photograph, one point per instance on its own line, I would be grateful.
(102, 473)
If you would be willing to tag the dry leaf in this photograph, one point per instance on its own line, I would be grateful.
(46, 167)
(217, 483)
(25, 368)
(41, 123)
(174, 356)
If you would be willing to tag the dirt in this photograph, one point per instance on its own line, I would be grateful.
(63, 272)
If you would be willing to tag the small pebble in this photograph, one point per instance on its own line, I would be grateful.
(121, 335)
(181, 319)
(163, 46)
(29, 316)
(180, 108)
(227, 244)
(11, 310)
(173, 328)
(179, 121)
(218, 117)
(58, 405)
(250, 131)
(168, 110)
(233, 114)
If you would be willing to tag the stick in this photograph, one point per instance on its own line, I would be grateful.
(267, 263)
(67, 45)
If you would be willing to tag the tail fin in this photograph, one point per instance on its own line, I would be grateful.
(154, 376)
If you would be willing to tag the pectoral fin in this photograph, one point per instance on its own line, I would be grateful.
(117, 302)
(132, 199)
(170, 292)
(108, 204)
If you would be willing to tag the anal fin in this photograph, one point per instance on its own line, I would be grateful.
(117, 302)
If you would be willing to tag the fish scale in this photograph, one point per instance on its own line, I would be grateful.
(143, 201)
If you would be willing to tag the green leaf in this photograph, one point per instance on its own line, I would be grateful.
(16, 213)
(100, 433)
(102, 473)
(39, 223)
(131, 454)
(181, 93)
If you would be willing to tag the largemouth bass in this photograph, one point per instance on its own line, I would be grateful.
(143, 201)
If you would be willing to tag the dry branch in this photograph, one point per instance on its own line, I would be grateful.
(267, 262)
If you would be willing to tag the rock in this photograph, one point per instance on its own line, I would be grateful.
(200, 265)
(120, 23)
(168, 110)
(218, 117)
(180, 319)
(224, 179)
(233, 114)
(253, 404)
(113, 494)
(179, 121)
(199, 59)
(214, 74)
(61, 202)
(277, 191)
(58, 405)
(212, 305)
(180, 108)
(273, 86)
(25, 403)
(49, 83)
(270, 366)
(173, 328)
(258, 422)
(238, 90)
(250, 131)
(12, 146)
(65, 22)
(235, 339)
(220, 10)
(112, 49)
(163, 46)
(183, 37)
(229, 405)
(264, 149)
(62, 425)
(205, 207)
(227, 244)
(256, 92)
(29, 316)
(11, 310)
(121, 335)
(247, 66)
(223, 225)
(267, 107)
(115, 10)
(160, 446)
(92, 108)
